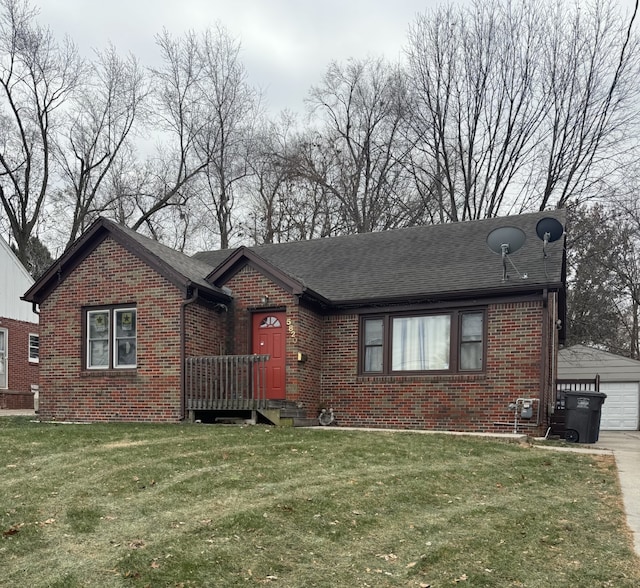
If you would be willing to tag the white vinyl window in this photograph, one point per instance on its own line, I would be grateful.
(125, 337)
(111, 338)
(34, 348)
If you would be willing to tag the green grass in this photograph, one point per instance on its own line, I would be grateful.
(147, 505)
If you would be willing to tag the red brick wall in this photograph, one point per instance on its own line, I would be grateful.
(516, 365)
(248, 287)
(462, 402)
(152, 391)
(204, 330)
(21, 372)
(310, 344)
(304, 333)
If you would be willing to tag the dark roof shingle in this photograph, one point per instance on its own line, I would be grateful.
(434, 261)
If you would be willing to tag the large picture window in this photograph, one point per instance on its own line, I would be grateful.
(451, 341)
(111, 338)
(420, 343)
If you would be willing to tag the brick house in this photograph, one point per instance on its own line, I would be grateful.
(19, 340)
(425, 327)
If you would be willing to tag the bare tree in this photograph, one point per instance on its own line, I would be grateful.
(357, 153)
(284, 205)
(518, 105)
(226, 140)
(604, 285)
(204, 114)
(37, 76)
(178, 120)
(270, 183)
(98, 125)
(591, 64)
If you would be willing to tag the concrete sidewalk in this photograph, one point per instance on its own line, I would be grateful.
(626, 449)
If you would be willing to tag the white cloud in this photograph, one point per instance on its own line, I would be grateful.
(287, 44)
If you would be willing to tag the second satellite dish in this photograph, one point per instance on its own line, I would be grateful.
(549, 229)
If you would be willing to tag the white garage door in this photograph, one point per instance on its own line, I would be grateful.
(620, 409)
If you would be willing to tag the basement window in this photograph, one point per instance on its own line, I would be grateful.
(111, 338)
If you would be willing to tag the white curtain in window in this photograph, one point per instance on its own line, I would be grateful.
(421, 343)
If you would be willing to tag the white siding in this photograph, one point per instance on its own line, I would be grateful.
(619, 380)
(14, 282)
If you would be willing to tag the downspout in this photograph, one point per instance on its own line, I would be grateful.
(183, 353)
(545, 355)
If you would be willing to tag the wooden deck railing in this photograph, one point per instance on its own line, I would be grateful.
(226, 382)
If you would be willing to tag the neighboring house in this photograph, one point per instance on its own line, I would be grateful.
(19, 341)
(619, 379)
(410, 328)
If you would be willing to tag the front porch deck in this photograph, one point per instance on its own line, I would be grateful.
(233, 386)
(226, 382)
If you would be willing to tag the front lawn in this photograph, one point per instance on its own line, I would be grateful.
(201, 505)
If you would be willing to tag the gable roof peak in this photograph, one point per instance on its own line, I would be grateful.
(183, 271)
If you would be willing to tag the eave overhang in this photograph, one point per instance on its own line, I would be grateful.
(494, 294)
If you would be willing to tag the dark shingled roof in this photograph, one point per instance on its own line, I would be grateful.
(434, 262)
(427, 262)
(191, 268)
(183, 271)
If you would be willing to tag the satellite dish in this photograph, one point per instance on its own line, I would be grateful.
(506, 240)
(549, 229)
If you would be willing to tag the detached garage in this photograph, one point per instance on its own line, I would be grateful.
(619, 380)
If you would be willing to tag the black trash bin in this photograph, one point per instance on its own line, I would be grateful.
(583, 411)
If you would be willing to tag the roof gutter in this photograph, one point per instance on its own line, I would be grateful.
(534, 289)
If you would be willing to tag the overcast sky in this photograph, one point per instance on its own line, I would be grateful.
(286, 44)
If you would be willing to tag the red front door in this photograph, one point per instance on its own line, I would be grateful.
(269, 338)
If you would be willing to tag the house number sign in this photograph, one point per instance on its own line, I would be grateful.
(291, 330)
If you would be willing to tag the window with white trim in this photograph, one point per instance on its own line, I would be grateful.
(111, 338)
(451, 341)
(34, 348)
